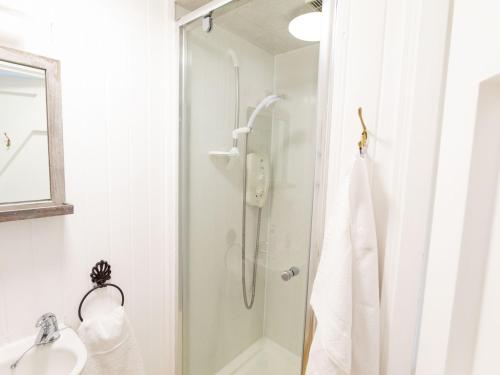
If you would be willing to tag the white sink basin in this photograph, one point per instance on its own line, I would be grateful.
(66, 356)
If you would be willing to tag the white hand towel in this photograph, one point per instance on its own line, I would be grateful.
(111, 345)
(345, 296)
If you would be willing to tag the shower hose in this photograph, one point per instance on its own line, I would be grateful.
(248, 304)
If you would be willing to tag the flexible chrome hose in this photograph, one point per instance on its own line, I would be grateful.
(248, 304)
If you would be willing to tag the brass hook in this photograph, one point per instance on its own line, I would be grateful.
(7, 140)
(364, 134)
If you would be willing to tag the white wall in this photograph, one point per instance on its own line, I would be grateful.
(465, 197)
(483, 255)
(478, 231)
(113, 57)
(388, 57)
(478, 284)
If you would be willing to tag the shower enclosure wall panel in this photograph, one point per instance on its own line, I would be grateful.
(219, 335)
(291, 210)
(219, 325)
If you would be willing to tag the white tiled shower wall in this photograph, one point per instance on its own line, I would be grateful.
(114, 58)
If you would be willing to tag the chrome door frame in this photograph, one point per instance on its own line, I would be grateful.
(323, 119)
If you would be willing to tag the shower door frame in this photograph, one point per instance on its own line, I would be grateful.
(324, 116)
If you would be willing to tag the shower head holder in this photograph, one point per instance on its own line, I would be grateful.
(239, 131)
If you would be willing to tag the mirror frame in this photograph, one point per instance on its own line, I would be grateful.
(56, 205)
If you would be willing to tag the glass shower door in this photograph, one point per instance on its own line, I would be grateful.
(247, 164)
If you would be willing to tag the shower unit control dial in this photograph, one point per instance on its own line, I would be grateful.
(258, 179)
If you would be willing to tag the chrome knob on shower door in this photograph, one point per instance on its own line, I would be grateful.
(288, 274)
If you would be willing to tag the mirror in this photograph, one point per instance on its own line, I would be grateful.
(24, 154)
(31, 149)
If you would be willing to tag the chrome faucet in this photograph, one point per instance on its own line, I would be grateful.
(49, 330)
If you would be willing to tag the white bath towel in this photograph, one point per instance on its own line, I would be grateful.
(111, 345)
(345, 296)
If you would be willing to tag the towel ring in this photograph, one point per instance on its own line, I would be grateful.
(101, 273)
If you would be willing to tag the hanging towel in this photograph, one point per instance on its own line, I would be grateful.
(345, 296)
(111, 345)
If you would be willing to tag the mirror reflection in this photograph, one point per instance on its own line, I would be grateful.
(24, 158)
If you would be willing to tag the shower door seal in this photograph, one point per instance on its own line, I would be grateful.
(323, 121)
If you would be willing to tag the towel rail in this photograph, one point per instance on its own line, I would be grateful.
(101, 273)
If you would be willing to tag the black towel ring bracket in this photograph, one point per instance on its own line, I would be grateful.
(101, 273)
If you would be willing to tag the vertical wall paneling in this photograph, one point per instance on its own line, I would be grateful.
(114, 89)
(390, 58)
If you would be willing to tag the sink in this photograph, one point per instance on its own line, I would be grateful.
(66, 356)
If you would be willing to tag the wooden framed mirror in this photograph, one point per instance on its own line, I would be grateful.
(31, 147)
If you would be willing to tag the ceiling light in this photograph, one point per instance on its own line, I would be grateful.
(306, 27)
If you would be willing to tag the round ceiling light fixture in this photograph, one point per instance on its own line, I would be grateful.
(306, 27)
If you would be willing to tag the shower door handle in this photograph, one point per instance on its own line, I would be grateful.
(288, 274)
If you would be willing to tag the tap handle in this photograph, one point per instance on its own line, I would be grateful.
(44, 320)
(288, 274)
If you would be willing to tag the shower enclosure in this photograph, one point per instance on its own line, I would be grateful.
(247, 164)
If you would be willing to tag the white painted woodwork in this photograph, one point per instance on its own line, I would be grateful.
(389, 57)
(459, 333)
(114, 89)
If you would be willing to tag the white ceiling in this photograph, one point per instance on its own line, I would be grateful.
(263, 23)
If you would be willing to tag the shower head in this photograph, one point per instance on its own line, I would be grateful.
(265, 103)
(271, 99)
